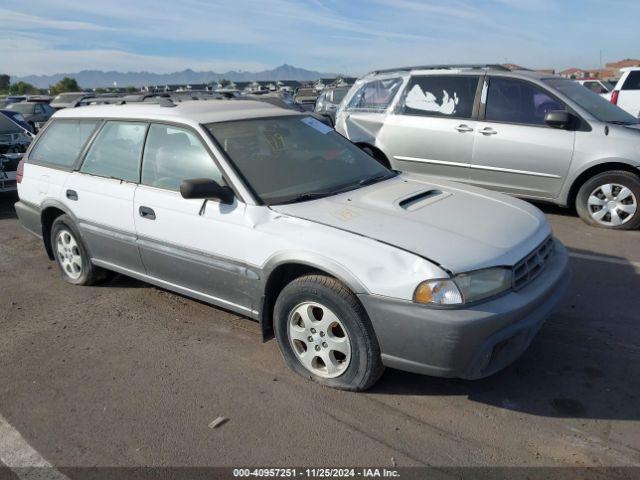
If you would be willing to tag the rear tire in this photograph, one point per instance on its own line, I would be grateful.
(325, 335)
(610, 200)
(71, 255)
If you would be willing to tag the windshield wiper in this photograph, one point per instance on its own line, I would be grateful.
(622, 122)
(373, 179)
(308, 196)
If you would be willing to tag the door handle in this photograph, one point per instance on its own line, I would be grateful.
(72, 195)
(488, 131)
(464, 128)
(148, 213)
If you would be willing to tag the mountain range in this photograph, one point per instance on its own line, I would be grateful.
(98, 78)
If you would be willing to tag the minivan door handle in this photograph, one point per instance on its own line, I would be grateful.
(72, 195)
(464, 128)
(146, 212)
(488, 131)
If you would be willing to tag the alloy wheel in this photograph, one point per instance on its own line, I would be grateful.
(69, 254)
(319, 340)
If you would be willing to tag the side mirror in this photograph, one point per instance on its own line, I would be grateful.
(206, 189)
(558, 119)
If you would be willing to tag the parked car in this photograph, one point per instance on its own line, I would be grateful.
(306, 97)
(13, 137)
(17, 118)
(8, 166)
(601, 87)
(69, 99)
(35, 113)
(271, 214)
(531, 135)
(626, 93)
(329, 100)
(282, 101)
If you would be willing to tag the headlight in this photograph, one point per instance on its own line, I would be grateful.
(483, 283)
(464, 288)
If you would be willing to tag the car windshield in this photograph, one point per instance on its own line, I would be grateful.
(593, 103)
(295, 158)
(67, 97)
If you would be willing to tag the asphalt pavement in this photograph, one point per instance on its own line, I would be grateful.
(125, 374)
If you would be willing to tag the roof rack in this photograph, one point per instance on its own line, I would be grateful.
(476, 66)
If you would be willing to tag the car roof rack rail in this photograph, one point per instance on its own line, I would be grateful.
(452, 66)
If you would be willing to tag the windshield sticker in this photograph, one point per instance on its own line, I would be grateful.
(426, 101)
(318, 125)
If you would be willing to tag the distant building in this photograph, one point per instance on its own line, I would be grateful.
(582, 73)
(616, 66)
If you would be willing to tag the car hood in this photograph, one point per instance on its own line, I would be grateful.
(458, 227)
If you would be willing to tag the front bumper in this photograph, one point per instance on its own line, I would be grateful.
(472, 342)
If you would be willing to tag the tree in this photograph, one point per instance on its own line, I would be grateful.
(132, 89)
(225, 83)
(67, 84)
(5, 81)
(22, 88)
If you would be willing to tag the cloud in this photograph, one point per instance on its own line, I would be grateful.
(22, 21)
(28, 56)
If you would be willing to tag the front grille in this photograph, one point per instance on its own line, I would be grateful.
(532, 265)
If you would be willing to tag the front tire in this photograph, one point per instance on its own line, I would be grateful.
(71, 255)
(325, 335)
(610, 200)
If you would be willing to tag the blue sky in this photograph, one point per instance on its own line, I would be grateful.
(345, 36)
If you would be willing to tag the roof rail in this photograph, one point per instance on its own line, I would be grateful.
(476, 66)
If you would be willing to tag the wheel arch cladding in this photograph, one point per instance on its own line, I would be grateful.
(281, 274)
(593, 171)
(48, 216)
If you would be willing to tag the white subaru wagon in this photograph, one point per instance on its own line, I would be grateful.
(273, 215)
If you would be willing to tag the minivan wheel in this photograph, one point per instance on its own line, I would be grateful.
(610, 200)
(71, 254)
(324, 334)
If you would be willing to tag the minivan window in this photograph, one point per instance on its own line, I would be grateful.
(297, 158)
(375, 96)
(593, 103)
(173, 154)
(441, 96)
(116, 151)
(515, 101)
(62, 141)
(633, 81)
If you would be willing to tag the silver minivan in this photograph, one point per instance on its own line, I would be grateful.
(524, 133)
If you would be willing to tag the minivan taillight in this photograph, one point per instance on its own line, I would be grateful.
(20, 171)
(614, 96)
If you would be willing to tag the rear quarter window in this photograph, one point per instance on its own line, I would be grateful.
(62, 142)
(632, 82)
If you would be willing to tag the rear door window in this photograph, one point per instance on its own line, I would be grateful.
(62, 142)
(632, 82)
(174, 154)
(441, 96)
(116, 151)
(375, 96)
(515, 101)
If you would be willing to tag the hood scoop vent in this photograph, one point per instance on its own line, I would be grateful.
(421, 199)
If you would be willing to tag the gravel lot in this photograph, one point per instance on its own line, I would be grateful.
(126, 374)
